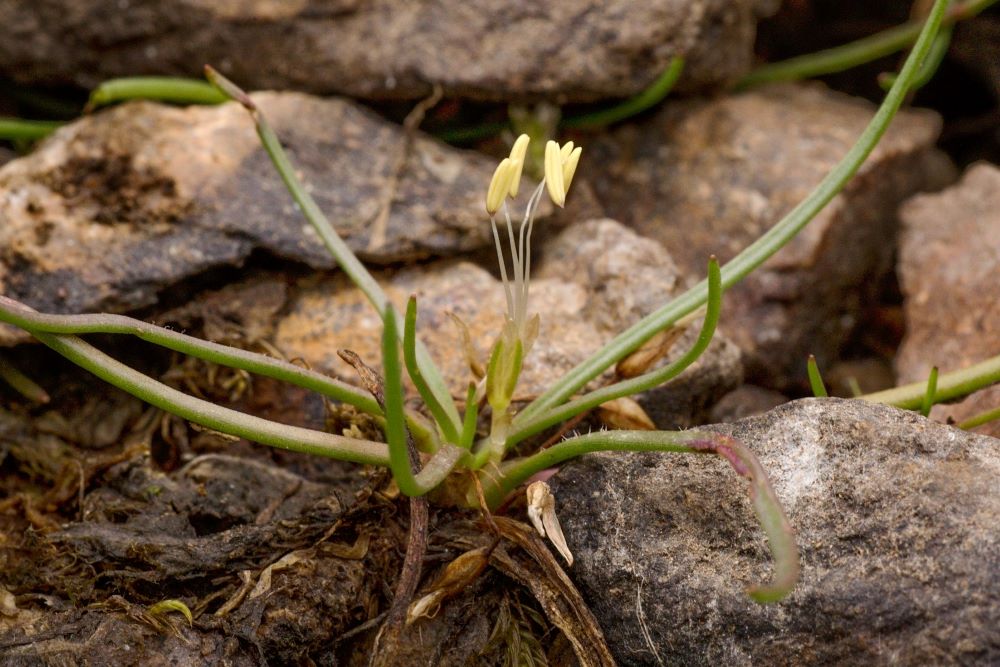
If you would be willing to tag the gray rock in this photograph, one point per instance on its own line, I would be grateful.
(709, 177)
(574, 50)
(896, 521)
(118, 206)
(949, 265)
(580, 311)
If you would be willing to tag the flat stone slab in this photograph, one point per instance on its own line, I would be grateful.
(896, 520)
(120, 205)
(580, 311)
(949, 270)
(574, 50)
(709, 177)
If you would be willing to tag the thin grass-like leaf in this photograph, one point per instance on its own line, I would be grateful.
(815, 379)
(413, 368)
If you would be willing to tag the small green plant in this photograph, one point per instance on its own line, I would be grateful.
(424, 449)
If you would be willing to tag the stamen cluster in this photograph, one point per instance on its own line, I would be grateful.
(560, 166)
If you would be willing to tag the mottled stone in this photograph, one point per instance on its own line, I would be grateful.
(949, 270)
(709, 177)
(574, 49)
(626, 277)
(120, 205)
(896, 522)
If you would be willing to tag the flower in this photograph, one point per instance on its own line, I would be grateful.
(560, 166)
(520, 329)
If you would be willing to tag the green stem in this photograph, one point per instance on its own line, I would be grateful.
(766, 506)
(343, 255)
(647, 99)
(21, 383)
(27, 130)
(980, 419)
(759, 251)
(16, 313)
(161, 88)
(855, 53)
(638, 384)
(402, 460)
(930, 66)
(949, 386)
(210, 415)
(930, 393)
(815, 379)
(413, 368)
(471, 418)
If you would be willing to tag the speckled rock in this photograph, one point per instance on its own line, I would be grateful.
(580, 310)
(896, 519)
(574, 49)
(949, 270)
(118, 206)
(710, 177)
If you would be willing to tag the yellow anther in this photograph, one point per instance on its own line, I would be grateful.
(554, 174)
(500, 184)
(569, 166)
(566, 149)
(517, 153)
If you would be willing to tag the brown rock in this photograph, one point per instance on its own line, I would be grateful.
(627, 277)
(896, 524)
(575, 49)
(949, 269)
(710, 177)
(580, 310)
(745, 401)
(123, 204)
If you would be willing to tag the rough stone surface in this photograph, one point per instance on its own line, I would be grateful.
(123, 204)
(580, 310)
(574, 50)
(949, 270)
(710, 177)
(896, 518)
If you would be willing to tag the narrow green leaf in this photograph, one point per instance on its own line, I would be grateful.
(175, 90)
(471, 418)
(815, 379)
(929, 395)
(413, 368)
(395, 423)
